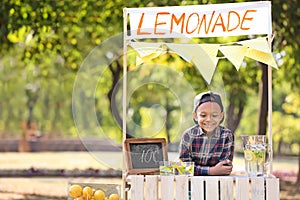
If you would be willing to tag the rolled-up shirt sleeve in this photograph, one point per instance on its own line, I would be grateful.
(201, 170)
(228, 149)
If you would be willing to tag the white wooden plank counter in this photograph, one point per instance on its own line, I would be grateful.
(156, 187)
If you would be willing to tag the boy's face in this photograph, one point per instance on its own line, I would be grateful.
(208, 115)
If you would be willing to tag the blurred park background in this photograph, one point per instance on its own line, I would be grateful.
(45, 43)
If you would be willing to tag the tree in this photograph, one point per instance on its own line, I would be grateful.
(52, 39)
(44, 43)
(287, 43)
(263, 93)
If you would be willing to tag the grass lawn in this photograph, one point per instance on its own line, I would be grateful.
(105, 160)
(61, 160)
(286, 166)
(56, 188)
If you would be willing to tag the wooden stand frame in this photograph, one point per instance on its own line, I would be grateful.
(125, 43)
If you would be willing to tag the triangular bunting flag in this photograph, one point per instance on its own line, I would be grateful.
(206, 68)
(183, 50)
(263, 57)
(260, 44)
(204, 57)
(211, 50)
(204, 60)
(138, 61)
(145, 48)
(235, 54)
(147, 51)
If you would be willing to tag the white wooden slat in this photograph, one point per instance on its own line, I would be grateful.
(258, 188)
(137, 187)
(181, 187)
(167, 187)
(212, 188)
(226, 188)
(203, 188)
(242, 188)
(272, 189)
(151, 187)
(197, 188)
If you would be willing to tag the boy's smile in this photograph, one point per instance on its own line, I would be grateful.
(208, 116)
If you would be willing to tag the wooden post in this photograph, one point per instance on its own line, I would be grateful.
(270, 109)
(124, 172)
(23, 145)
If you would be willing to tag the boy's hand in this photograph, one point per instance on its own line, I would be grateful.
(227, 163)
(222, 168)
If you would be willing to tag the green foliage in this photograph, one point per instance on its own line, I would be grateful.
(44, 44)
(286, 41)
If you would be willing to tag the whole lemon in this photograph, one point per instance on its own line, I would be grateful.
(75, 191)
(113, 197)
(99, 195)
(87, 192)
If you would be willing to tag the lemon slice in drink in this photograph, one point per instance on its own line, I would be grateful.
(249, 155)
(260, 156)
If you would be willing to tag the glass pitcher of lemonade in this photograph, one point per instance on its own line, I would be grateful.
(256, 154)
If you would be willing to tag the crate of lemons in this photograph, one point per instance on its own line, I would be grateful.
(92, 191)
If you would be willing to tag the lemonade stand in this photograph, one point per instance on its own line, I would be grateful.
(203, 21)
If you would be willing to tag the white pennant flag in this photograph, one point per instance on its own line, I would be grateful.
(211, 50)
(204, 57)
(183, 50)
(263, 57)
(147, 51)
(145, 48)
(260, 44)
(258, 49)
(235, 54)
(206, 60)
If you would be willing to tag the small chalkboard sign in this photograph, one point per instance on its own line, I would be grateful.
(143, 154)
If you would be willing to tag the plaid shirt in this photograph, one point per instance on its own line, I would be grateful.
(206, 151)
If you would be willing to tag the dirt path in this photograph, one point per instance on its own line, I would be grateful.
(43, 188)
(56, 188)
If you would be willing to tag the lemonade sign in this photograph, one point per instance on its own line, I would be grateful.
(211, 20)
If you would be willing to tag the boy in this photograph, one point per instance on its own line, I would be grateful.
(208, 144)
